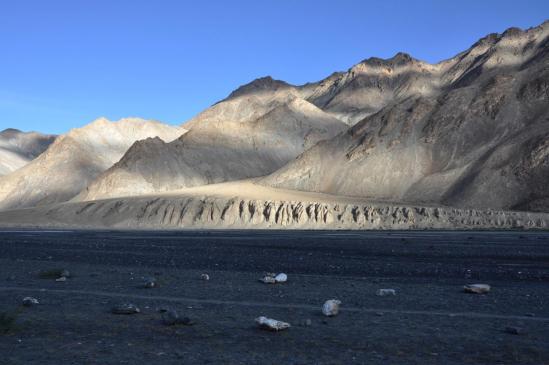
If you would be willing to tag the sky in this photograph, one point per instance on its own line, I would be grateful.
(65, 63)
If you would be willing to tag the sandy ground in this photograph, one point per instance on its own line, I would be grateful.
(429, 321)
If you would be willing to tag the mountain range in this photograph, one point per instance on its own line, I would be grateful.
(465, 136)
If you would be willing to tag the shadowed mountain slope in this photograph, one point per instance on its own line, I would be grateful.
(18, 148)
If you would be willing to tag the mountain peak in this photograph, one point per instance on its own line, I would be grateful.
(512, 32)
(399, 59)
(266, 83)
(10, 132)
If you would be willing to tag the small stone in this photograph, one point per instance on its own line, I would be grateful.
(281, 278)
(385, 292)
(205, 277)
(306, 323)
(331, 307)
(62, 278)
(186, 321)
(268, 280)
(65, 273)
(149, 283)
(514, 330)
(30, 301)
(477, 288)
(380, 314)
(530, 315)
(170, 317)
(270, 324)
(126, 308)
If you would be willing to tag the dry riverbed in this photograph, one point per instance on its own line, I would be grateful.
(430, 320)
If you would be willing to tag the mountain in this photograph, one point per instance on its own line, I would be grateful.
(259, 128)
(18, 148)
(470, 132)
(75, 159)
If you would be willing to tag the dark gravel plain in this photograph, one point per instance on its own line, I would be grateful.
(429, 321)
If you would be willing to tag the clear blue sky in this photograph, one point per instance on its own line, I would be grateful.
(65, 63)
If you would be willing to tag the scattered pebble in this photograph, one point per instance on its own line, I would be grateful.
(331, 307)
(30, 301)
(477, 288)
(385, 292)
(205, 277)
(62, 278)
(306, 323)
(270, 324)
(126, 308)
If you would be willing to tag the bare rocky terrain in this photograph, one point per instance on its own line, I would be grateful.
(389, 143)
(429, 320)
(469, 132)
(473, 134)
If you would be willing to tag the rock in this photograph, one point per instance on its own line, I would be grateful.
(65, 273)
(170, 317)
(149, 283)
(30, 301)
(268, 280)
(477, 288)
(272, 278)
(205, 277)
(385, 292)
(126, 308)
(331, 307)
(271, 324)
(62, 278)
(281, 278)
(514, 330)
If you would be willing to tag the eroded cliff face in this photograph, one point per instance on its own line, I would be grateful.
(237, 213)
